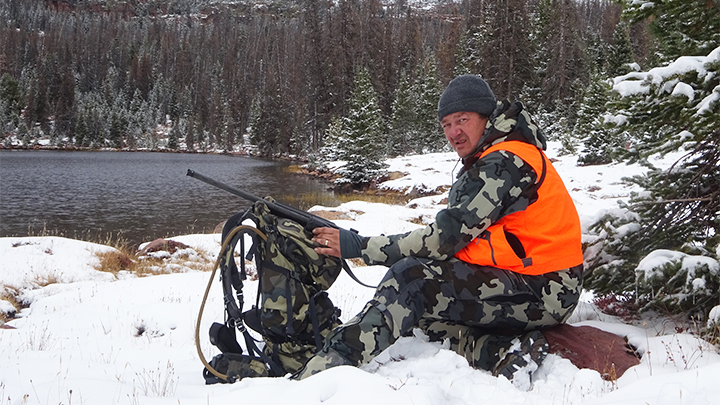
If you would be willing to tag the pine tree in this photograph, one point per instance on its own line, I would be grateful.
(271, 127)
(333, 141)
(427, 91)
(671, 108)
(684, 27)
(402, 121)
(81, 131)
(559, 55)
(591, 128)
(173, 137)
(661, 108)
(227, 129)
(620, 55)
(118, 128)
(461, 56)
(36, 110)
(364, 150)
(506, 56)
(255, 124)
(190, 134)
(12, 98)
(6, 126)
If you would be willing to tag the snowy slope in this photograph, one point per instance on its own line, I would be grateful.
(92, 338)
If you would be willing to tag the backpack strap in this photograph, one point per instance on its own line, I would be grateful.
(221, 333)
(314, 319)
(352, 275)
(275, 370)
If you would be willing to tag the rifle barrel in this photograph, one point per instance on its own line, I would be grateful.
(306, 219)
(223, 186)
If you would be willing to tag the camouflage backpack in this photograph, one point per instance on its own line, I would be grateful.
(292, 313)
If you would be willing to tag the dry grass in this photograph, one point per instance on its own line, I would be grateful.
(420, 220)
(99, 236)
(712, 335)
(375, 196)
(387, 196)
(114, 261)
(46, 280)
(357, 262)
(124, 259)
(158, 382)
(11, 294)
(295, 169)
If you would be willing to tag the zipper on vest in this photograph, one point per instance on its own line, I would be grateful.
(486, 236)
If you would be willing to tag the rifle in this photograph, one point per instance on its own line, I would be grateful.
(307, 220)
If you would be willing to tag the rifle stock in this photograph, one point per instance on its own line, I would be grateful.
(306, 219)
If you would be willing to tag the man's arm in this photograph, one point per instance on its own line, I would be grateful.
(491, 189)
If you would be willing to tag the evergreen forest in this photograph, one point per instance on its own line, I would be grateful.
(211, 75)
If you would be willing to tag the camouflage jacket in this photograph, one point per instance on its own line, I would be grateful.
(486, 190)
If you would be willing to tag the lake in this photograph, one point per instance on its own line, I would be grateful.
(137, 195)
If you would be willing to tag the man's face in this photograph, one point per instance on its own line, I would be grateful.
(463, 130)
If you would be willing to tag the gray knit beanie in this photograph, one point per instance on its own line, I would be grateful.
(467, 93)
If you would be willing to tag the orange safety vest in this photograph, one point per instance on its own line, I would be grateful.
(546, 235)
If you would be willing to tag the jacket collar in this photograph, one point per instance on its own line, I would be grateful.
(509, 122)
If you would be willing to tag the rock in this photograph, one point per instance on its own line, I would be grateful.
(588, 347)
(163, 244)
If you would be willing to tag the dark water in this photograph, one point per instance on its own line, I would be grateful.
(141, 196)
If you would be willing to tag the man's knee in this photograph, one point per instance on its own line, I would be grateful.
(405, 271)
(365, 335)
(565, 289)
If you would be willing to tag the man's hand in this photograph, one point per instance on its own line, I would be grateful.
(329, 238)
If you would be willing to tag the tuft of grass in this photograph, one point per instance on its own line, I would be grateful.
(11, 294)
(420, 220)
(40, 338)
(158, 383)
(711, 334)
(44, 281)
(114, 261)
(130, 260)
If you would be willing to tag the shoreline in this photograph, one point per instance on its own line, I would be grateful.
(239, 153)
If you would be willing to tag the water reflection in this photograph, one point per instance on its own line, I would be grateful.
(141, 195)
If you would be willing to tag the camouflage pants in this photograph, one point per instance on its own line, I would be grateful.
(479, 309)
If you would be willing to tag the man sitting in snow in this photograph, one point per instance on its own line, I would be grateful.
(502, 261)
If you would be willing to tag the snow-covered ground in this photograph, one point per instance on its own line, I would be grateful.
(94, 338)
